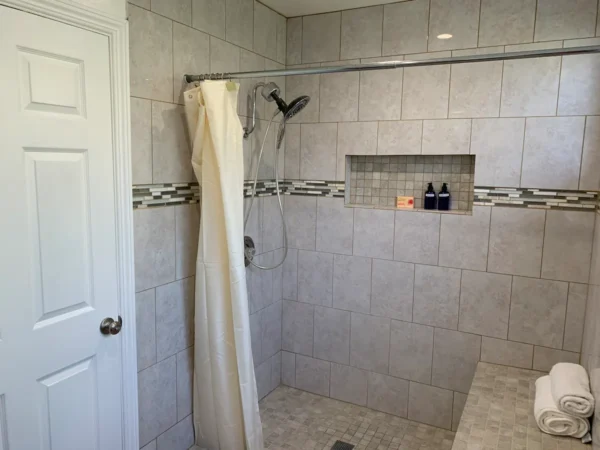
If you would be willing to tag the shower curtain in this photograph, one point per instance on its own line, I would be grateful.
(226, 415)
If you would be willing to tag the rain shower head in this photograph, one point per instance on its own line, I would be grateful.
(270, 92)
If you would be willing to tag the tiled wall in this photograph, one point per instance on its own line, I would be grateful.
(590, 356)
(378, 180)
(403, 304)
(167, 40)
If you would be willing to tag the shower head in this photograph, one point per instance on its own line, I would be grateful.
(270, 92)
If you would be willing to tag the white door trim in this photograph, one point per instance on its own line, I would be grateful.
(117, 32)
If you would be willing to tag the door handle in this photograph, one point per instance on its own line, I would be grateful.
(111, 326)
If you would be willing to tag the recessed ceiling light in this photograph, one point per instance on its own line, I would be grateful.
(444, 36)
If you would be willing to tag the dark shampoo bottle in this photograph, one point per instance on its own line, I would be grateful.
(444, 198)
(430, 197)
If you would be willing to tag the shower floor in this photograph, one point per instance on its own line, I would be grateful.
(297, 420)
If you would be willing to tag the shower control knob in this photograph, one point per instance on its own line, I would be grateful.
(111, 326)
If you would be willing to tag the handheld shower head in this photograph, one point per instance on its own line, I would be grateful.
(271, 91)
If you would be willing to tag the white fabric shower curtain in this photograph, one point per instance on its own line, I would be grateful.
(226, 414)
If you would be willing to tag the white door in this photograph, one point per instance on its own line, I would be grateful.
(60, 378)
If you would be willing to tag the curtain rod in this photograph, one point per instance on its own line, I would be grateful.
(397, 64)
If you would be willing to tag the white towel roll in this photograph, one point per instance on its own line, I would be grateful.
(571, 389)
(550, 419)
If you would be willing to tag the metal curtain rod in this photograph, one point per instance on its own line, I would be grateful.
(397, 64)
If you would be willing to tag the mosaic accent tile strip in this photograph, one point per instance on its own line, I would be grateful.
(378, 180)
(498, 413)
(168, 194)
(536, 198)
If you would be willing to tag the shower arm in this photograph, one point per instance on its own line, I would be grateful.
(249, 130)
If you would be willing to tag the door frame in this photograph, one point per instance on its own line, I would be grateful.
(117, 31)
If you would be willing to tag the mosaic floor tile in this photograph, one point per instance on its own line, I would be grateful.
(298, 420)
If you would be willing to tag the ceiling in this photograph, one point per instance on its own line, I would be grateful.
(293, 8)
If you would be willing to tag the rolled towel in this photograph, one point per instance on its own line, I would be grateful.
(550, 419)
(571, 389)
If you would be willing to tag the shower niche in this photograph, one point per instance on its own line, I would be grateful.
(376, 181)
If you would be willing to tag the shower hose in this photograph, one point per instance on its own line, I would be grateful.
(249, 210)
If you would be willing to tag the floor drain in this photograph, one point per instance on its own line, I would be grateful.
(339, 445)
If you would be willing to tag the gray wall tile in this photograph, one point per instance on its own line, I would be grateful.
(179, 437)
(288, 369)
(209, 16)
(301, 221)
(294, 41)
(457, 17)
(373, 233)
(426, 92)
(455, 357)
(392, 289)
(578, 90)
(224, 57)
(507, 353)
(334, 226)
(506, 22)
(272, 225)
(315, 277)
(171, 153)
(321, 37)
(352, 283)
(141, 3)
(239, 21)
(380, 93)
(530, 87)
(464, 239)
(430, 405)
(405, 27)
(178, 10)
(151, 445)
(256, 338)
(175, 308)
(516, 239)
(281, 38)
(457, 409)
(417, 237)
(292, 152)
(354, 138)
(552, 153)
(318, 151)
(370, 342)
(191, 52)
(475, 90)
(263, 379)
(388, 394)
(290, 275)
(150, 55)
(141, 141)
(590, 164)
(312, 375)
(297, 327)
(537, 312)
(275, 371)
(332, 335)
(446, 137)
(484, 303)
(338, 97)
(185, 373)
(544, 358)
(349, 384)
(265, 31)
(574, 322)
(562, 19)
(498, 146)
(411, 351)
(157, 393)
(145, 314)
(271, 321)
(568, 246)
(436, 296)
(154, 244)
(187, 228)
(400, 137)
(362, 32)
